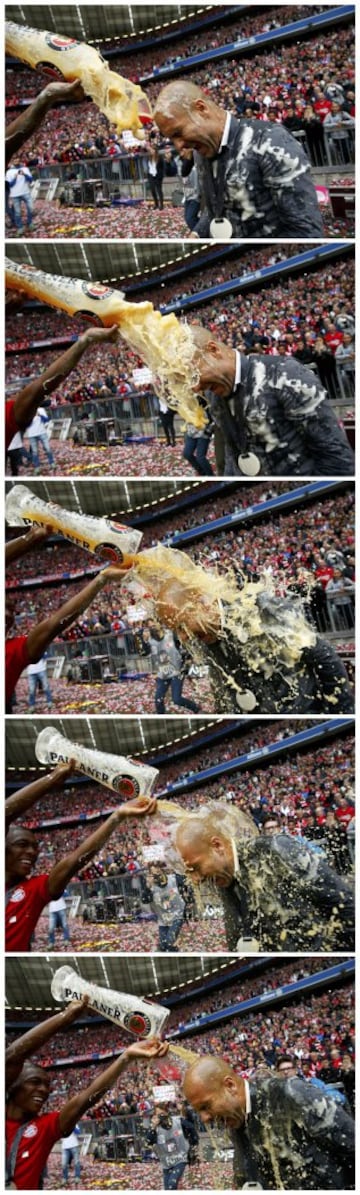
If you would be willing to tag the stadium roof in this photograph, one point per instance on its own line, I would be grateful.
(119, 736)
(102, 262)
(28, 980)
(110, 497)
(94, 22)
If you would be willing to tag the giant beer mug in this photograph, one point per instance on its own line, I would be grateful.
(107, 539)
(132, 1013)
(124, 103)
(164, 344)
(127, 777)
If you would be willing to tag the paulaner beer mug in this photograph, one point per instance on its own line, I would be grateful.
(128, 777)
(140, 1018)
(103, 537)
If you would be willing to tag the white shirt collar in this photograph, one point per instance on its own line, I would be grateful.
(237, 368)
(247, 1099)
(235, 857)
(225, 136)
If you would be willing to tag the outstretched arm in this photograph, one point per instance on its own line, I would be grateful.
(43, 634)
(20, 129)
(16, 548)
(26, 797)
(79, 1104)
(30, 1042)
(63, 871)
(28, 400)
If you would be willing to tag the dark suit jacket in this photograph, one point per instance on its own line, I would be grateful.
(317, 684)
(302, 904)
(311, 1138)
(282, 413)
(268, 188)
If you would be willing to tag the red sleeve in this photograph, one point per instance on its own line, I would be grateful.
(11, 426)
(16, 659)
(51, 1125)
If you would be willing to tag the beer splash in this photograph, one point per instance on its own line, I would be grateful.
(122, 102)
(164, 344)
(269, 633)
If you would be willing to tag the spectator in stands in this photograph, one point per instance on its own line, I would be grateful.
(27, 1096)
(337, 126)
(274, 889)
(282, 423)
(263, 185)
(27, 896)
(283, 1136)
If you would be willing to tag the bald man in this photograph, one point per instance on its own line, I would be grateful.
(274, 890)
(274, 415)
(250, 669)
(285, 1134)
(254, 177)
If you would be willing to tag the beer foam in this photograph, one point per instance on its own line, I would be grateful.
(269, 633)
(120, 100)
(164, 344)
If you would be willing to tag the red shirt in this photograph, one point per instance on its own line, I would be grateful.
(22, 913)
(11, 426)
(333, 339)
(36, 1143)
(16, 659)
(345, 815)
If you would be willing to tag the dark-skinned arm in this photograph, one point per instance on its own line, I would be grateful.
(63, 871)
(40, 637)
(26, 797)
(30, 1042)
(27, 400)
(16, 548)
(20, 129)
(75, 1108)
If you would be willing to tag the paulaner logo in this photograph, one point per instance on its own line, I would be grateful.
(60, 43)
(137, 1023)
(126, 786)
(96, 291)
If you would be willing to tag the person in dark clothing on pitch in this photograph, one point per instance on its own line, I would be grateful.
(276, 890)
(285, 1133)
(254, 177)
(274, 413)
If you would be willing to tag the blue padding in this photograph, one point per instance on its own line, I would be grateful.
(312, 489)
(258, 40)
(345, 967)
(281, 267)
(263, 753)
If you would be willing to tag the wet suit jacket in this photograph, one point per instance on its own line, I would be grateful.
(266, 181)
(281, 412)
(303, 902)
(316, 684)
(313, 1139)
